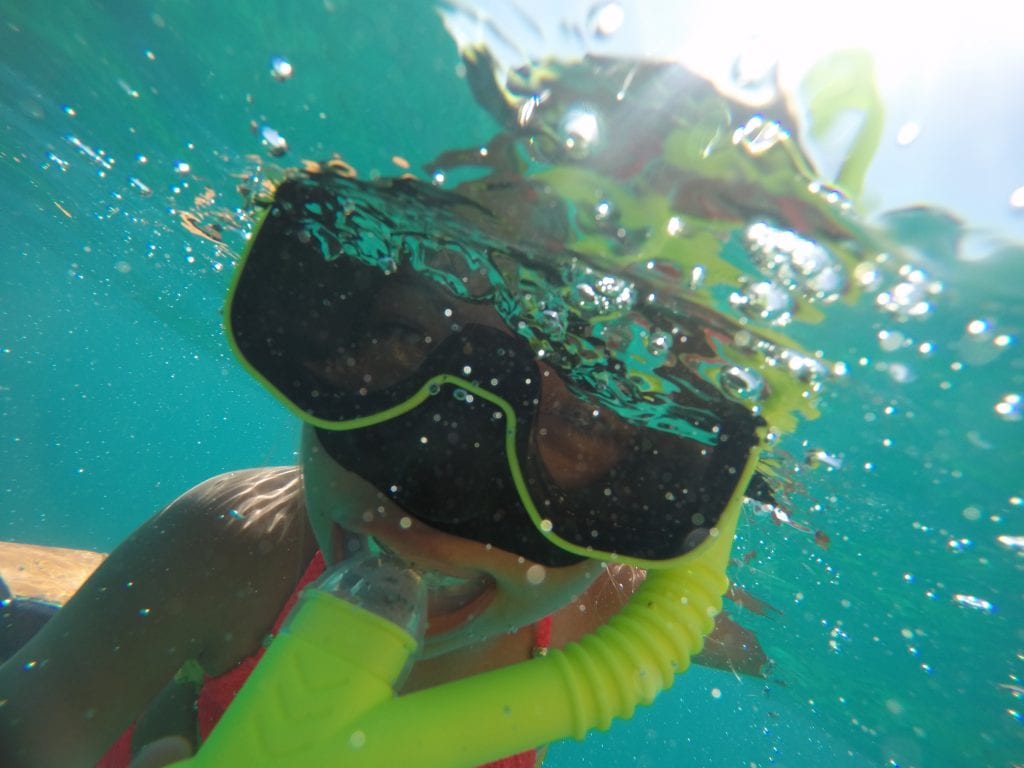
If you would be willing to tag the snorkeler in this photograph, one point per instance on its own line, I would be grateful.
(433, 429)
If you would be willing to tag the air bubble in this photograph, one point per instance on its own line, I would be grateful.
(890, 341)
(894, 706)
(742, 383)
(143, 189)
(908, 133)
(605, 19)
(659, 343)
(555, 323)
(753, 72)
(977, 327)
(765, 300)
(900, 373)
(536, 574)
(697, 275)
(580, 131)
(1009, 408)
(817, 457)
(971, 513)
(867, 275)
(959, 545)
(273, 141)
(281, 69)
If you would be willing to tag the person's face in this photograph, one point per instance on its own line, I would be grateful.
(477, 591)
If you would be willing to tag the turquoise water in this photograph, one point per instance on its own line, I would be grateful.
(901, 643)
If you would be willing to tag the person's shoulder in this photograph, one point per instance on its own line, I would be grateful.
(232, 548)
(247, 503)
(247, 489)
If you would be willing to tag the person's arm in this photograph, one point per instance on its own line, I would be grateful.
(172, 713)
(201, 580)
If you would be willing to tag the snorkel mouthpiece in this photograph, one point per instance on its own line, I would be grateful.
(384, 585)
(342, 652)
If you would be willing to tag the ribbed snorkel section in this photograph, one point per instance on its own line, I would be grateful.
(640, 651)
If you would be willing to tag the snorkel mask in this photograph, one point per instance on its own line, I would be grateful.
(305, 317)
(387, 340)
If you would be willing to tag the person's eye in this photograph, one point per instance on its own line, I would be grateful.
(397, 331)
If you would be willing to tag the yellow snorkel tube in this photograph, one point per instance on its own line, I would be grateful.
(323, 695)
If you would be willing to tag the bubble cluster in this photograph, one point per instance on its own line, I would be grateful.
(1012, 542)
(758, 135)
(977, 603)
(911, 296)
(765, 300)
(797, 263)
(594, 294)
(97, 156)
(981, 343)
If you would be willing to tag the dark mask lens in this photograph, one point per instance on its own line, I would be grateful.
(316, 330)
(658, 501)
